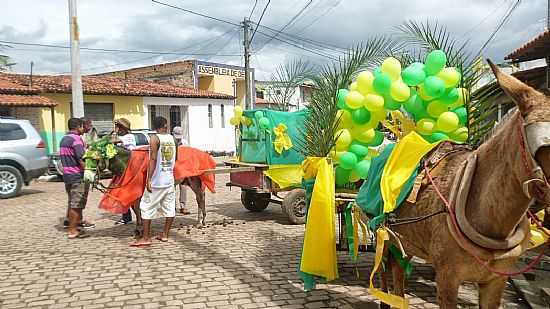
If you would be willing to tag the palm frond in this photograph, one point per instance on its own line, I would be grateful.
(321, 124)
(286, 79)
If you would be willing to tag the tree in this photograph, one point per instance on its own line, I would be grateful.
(286, 80)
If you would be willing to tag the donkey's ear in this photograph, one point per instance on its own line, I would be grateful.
(523, 95)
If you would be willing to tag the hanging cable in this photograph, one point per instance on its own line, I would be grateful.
(196, 13)
(259, 21)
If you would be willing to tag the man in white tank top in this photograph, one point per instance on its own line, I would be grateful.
(159, 198)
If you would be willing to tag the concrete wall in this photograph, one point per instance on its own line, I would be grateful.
(179, 73)
(201, 136)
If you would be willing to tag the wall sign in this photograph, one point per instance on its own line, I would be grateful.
(212, 70)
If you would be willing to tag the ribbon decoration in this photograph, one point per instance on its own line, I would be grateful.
(392, 300)
(282, 140)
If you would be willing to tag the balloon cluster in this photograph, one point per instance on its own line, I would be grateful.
(428, 91)
(239, 118)
(263, 122)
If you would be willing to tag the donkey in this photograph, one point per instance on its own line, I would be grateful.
(510, 177)
(118, 167)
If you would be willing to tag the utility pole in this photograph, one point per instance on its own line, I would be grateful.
(76, 78)
(246, 42)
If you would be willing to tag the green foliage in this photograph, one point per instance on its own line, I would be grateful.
(286, 79)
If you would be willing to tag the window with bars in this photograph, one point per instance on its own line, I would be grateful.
(223, 115)
(210, 120)
(153, 113)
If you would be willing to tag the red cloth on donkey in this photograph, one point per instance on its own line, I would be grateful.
(129, 188)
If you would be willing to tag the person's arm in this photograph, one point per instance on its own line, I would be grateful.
(153, 152)
(79, 150)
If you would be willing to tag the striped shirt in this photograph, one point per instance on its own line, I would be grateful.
(71, 150)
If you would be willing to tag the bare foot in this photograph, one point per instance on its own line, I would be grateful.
(140, 243)
(162, 238)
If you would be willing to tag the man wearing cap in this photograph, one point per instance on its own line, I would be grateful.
(177, 132)
(124, 138)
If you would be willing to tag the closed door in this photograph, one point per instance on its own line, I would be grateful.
(101, 115)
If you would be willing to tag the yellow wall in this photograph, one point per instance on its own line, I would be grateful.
(128, 107)
(222, 84)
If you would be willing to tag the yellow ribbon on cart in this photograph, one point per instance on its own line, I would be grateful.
(282, 140)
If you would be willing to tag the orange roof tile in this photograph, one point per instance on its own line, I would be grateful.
(7, 86)
(537, 48)
(104, 85)
(25, 100)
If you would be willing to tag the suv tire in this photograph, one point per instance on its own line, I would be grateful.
(11, 181)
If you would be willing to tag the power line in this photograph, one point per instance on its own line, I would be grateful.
(286, 25)
(502, 22)
(486, 17)
(253, 8)
(107, 50)
(259, 21)
(196, 13)
(320, 16)
(300, 47)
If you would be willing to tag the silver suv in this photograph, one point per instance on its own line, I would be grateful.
(23, 156)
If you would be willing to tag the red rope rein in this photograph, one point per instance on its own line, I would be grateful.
(458, 232)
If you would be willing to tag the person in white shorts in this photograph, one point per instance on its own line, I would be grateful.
(159, 198)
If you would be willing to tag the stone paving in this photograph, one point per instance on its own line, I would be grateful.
(251, 262)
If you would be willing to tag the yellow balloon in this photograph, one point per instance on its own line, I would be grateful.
(234, 121)
(460, 135)
(343, 139)
(425, 126)
(353, 86)
(379, 115)
(392, 67)
(354, 99)
(364, 136)
(373, 102)
(238, 110)
(345, 119)
(447, 122)
(436, 108)
(400, 91)
(422, 93)
(364, 82)
(449, 76)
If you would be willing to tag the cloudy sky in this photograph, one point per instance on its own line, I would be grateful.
(142, 25)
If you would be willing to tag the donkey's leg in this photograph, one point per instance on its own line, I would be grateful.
(490, 293)
(398, 275)
(384, 285)
(196, 186)
(447, 289)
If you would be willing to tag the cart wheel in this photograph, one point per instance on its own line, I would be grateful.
(294, 204)
(254, 201)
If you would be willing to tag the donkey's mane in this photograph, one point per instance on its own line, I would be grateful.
(499, 125)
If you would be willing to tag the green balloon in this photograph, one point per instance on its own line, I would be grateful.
(348, 160)
(414, 105)
(435, 61)
(258, 115)
(434, 86)
(359, 150)
(342, 176)
(377, 140)
(413, 76)
(439, 136)
(360, 116)
(450, 96)
(377, 71)
(362, 169)
(391, 104)
(264, 123)
(341, 94)
(417, 65)
(382, 83)
(462, 114)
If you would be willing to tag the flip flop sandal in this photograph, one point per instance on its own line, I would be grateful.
(79, 235)
(138, 245)
(161, 239)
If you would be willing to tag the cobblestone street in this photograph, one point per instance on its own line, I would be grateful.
(251, 262)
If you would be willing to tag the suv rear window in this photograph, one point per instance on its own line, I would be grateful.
(11, 132)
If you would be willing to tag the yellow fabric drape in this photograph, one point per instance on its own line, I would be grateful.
(538, 235)
(285, 175)
(392, 300)
(404, 158)
(319, 252)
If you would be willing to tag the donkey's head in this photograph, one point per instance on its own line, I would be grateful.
(104, 155)
(534, 108)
